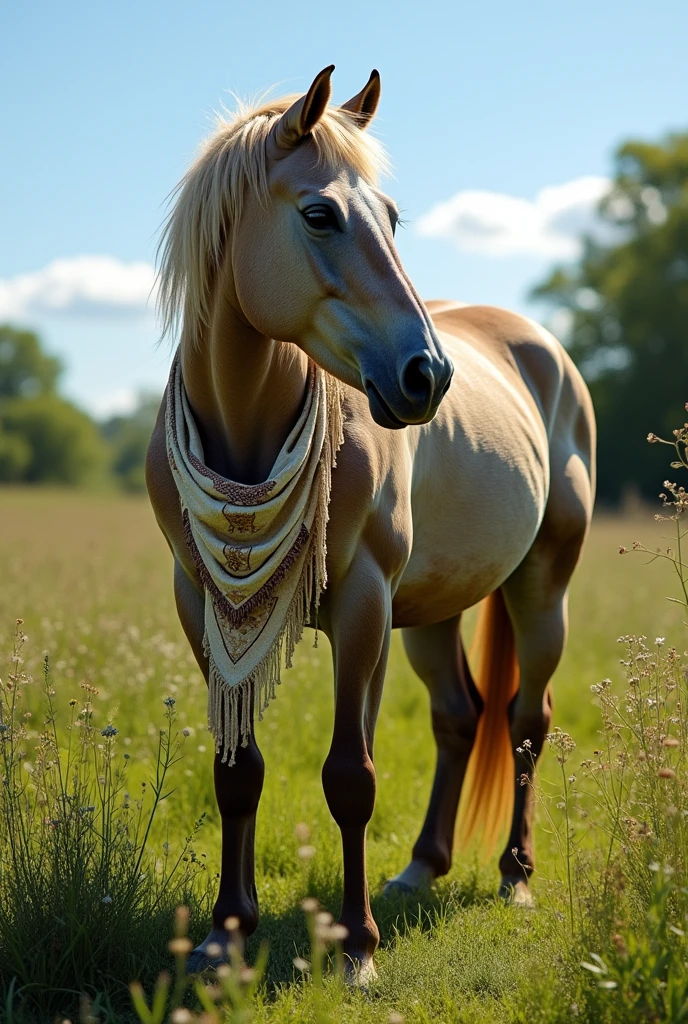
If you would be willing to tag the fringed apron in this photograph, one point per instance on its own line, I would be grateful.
(259, 551)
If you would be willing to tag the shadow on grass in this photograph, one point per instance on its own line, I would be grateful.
(396, 915)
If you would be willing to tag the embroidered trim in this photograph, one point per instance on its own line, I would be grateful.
(235, 616)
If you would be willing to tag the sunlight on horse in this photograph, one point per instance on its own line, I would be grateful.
(278, 259)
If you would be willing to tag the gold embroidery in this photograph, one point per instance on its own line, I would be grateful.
(240, 522)
(237, 559)
(240, 639)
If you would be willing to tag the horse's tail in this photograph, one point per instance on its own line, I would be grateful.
(488, 788)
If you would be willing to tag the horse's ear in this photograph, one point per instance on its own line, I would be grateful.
(364, 104)
(298, 120)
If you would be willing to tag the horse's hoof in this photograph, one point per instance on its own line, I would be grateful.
(515, 891)
(414, 878)
(395, 887)
(359, 972)
(210, 954)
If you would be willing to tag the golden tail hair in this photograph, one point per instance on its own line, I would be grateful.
(488, 789)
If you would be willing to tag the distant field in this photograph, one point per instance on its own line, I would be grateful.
(91, 577)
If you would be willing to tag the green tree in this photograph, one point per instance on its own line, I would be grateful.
(25, 369)
(128, 437)
(628, 306)
(43, 437)
(62, 442)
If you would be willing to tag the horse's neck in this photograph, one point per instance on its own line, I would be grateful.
(246, 392)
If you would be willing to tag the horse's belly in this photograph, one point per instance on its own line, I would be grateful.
(457, 560)
(476, 512)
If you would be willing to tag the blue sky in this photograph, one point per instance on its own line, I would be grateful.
(487, 110)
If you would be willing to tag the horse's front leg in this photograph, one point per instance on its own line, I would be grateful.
(237, 790)
(360, 623)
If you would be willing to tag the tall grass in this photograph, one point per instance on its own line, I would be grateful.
(83, 897)
(621, 828)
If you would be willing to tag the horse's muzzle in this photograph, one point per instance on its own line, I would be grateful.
(422, 384)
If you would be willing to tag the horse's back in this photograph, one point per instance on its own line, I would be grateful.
(517, 412)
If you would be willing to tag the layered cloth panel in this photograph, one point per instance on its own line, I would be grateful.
(259, 550)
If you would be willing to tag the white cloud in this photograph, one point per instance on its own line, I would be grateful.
(501, 225)
(80, 286)
(120, 402)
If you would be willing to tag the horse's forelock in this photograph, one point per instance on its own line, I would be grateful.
(208, 199)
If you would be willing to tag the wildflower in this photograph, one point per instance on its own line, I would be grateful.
(127, 756)
(186, 732)
(106, 899)
(300, 964)
(181, 1016)
(109, 731)
(306, 852)
(302, 831)
(670, 741)
(169, 702)
(73, 702)
(666, 773)
(659, 641)
(309, 905)
(562, 742)
(232, 923)
(652, 438)
(395, 1018)
(182, 946)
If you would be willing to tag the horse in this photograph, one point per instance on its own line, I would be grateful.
(466, 475)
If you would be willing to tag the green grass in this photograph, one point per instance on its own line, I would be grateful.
(92, 578)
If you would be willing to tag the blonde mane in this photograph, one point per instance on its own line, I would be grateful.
(208, 199)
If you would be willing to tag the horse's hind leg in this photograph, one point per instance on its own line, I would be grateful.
(437, 655)
(536, 600)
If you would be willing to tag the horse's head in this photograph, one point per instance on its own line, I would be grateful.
(314, 260)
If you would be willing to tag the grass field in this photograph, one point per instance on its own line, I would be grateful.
(91, 578)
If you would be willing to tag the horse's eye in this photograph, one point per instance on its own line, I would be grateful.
(320, 217)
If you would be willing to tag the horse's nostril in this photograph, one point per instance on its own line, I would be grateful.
(417, 379)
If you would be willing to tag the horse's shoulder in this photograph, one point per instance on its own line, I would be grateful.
(369, 450)
(367, 492)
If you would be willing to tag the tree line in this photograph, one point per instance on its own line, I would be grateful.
(623, 304)
(626, 302)
(46, 439)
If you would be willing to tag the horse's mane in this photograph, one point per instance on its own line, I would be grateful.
(208, 199)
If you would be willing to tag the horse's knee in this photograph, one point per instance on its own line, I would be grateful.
(349, 785)
(530, 725)
(238, 788)
(455, 728)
